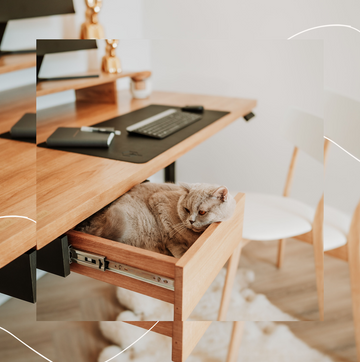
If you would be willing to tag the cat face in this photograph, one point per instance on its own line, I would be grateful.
(204, 204)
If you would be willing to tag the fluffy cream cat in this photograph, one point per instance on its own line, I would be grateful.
(164, 218)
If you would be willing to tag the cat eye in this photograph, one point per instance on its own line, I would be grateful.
(201, 212)
(187, 210)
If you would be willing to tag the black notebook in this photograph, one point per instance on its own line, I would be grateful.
(74, 137)
(25, 127)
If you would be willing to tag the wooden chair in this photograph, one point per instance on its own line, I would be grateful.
(272, 217)
(341, 231)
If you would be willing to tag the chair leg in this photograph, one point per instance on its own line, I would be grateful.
(229, 282)
(354, 266)
(281, 253)
(236, 336)
(319, 270)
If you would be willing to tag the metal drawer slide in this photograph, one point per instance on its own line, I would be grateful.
(101, 263)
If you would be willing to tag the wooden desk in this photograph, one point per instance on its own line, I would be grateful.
(17, 177)
(71, 187)
(17, 197)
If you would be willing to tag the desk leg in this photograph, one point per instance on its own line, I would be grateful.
(18, 278)
(235, 341)
(229, 282)
(54, 258)
(170, 173)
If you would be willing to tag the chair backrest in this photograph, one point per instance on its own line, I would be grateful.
(306, 132)
(342, 122)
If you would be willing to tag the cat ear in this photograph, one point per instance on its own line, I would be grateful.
(221, 193)
(185, 186)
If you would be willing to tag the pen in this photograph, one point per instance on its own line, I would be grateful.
(100, 130)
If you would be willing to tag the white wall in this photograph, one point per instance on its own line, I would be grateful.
(279, 19)
(247, 156)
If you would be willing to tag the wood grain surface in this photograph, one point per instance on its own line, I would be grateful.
(157, 263)
(72, 187)
(11, 62)
(17, 197)
(186, 336)
(18, 174)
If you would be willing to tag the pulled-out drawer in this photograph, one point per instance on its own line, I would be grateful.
(181, 282)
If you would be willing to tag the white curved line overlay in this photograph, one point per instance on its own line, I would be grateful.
(325, 26)
(25, 344)
(329, 139)
(133, 342)
(105, 361)
(21, 217)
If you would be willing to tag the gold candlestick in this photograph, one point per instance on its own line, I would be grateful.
(110, 62)
(91, 29)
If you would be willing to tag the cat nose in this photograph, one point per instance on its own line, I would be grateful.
(192, 221)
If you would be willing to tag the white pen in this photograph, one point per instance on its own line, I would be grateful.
(99, 130)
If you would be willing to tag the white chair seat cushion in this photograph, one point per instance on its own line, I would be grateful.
(272, 217)
(336, 228)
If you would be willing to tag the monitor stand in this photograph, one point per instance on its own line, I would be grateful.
(7, 52)
(2, 32)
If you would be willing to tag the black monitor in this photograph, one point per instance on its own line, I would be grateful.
(50, 46)
(24, 9)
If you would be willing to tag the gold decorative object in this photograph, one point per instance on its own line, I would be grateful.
(91, 29)
(110, 62)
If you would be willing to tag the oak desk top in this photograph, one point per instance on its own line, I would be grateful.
(17, 177)
(17, 197)
(71, 187)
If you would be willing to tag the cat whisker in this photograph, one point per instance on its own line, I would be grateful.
(177, 228)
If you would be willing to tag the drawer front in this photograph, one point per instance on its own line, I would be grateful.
(199, 266)
(135, 267)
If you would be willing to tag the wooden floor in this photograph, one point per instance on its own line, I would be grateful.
(61, 341)
(293, 287)
(334, 336)
(75, 298)
(58, 341)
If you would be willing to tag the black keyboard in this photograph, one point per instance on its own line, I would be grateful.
(164, 124)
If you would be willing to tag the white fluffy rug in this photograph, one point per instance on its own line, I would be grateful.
(262, 341)
(245, 304)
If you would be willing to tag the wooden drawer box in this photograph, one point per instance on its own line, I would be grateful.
(183, 281)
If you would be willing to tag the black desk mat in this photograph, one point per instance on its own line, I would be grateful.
(136, 148)
(7, 136)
